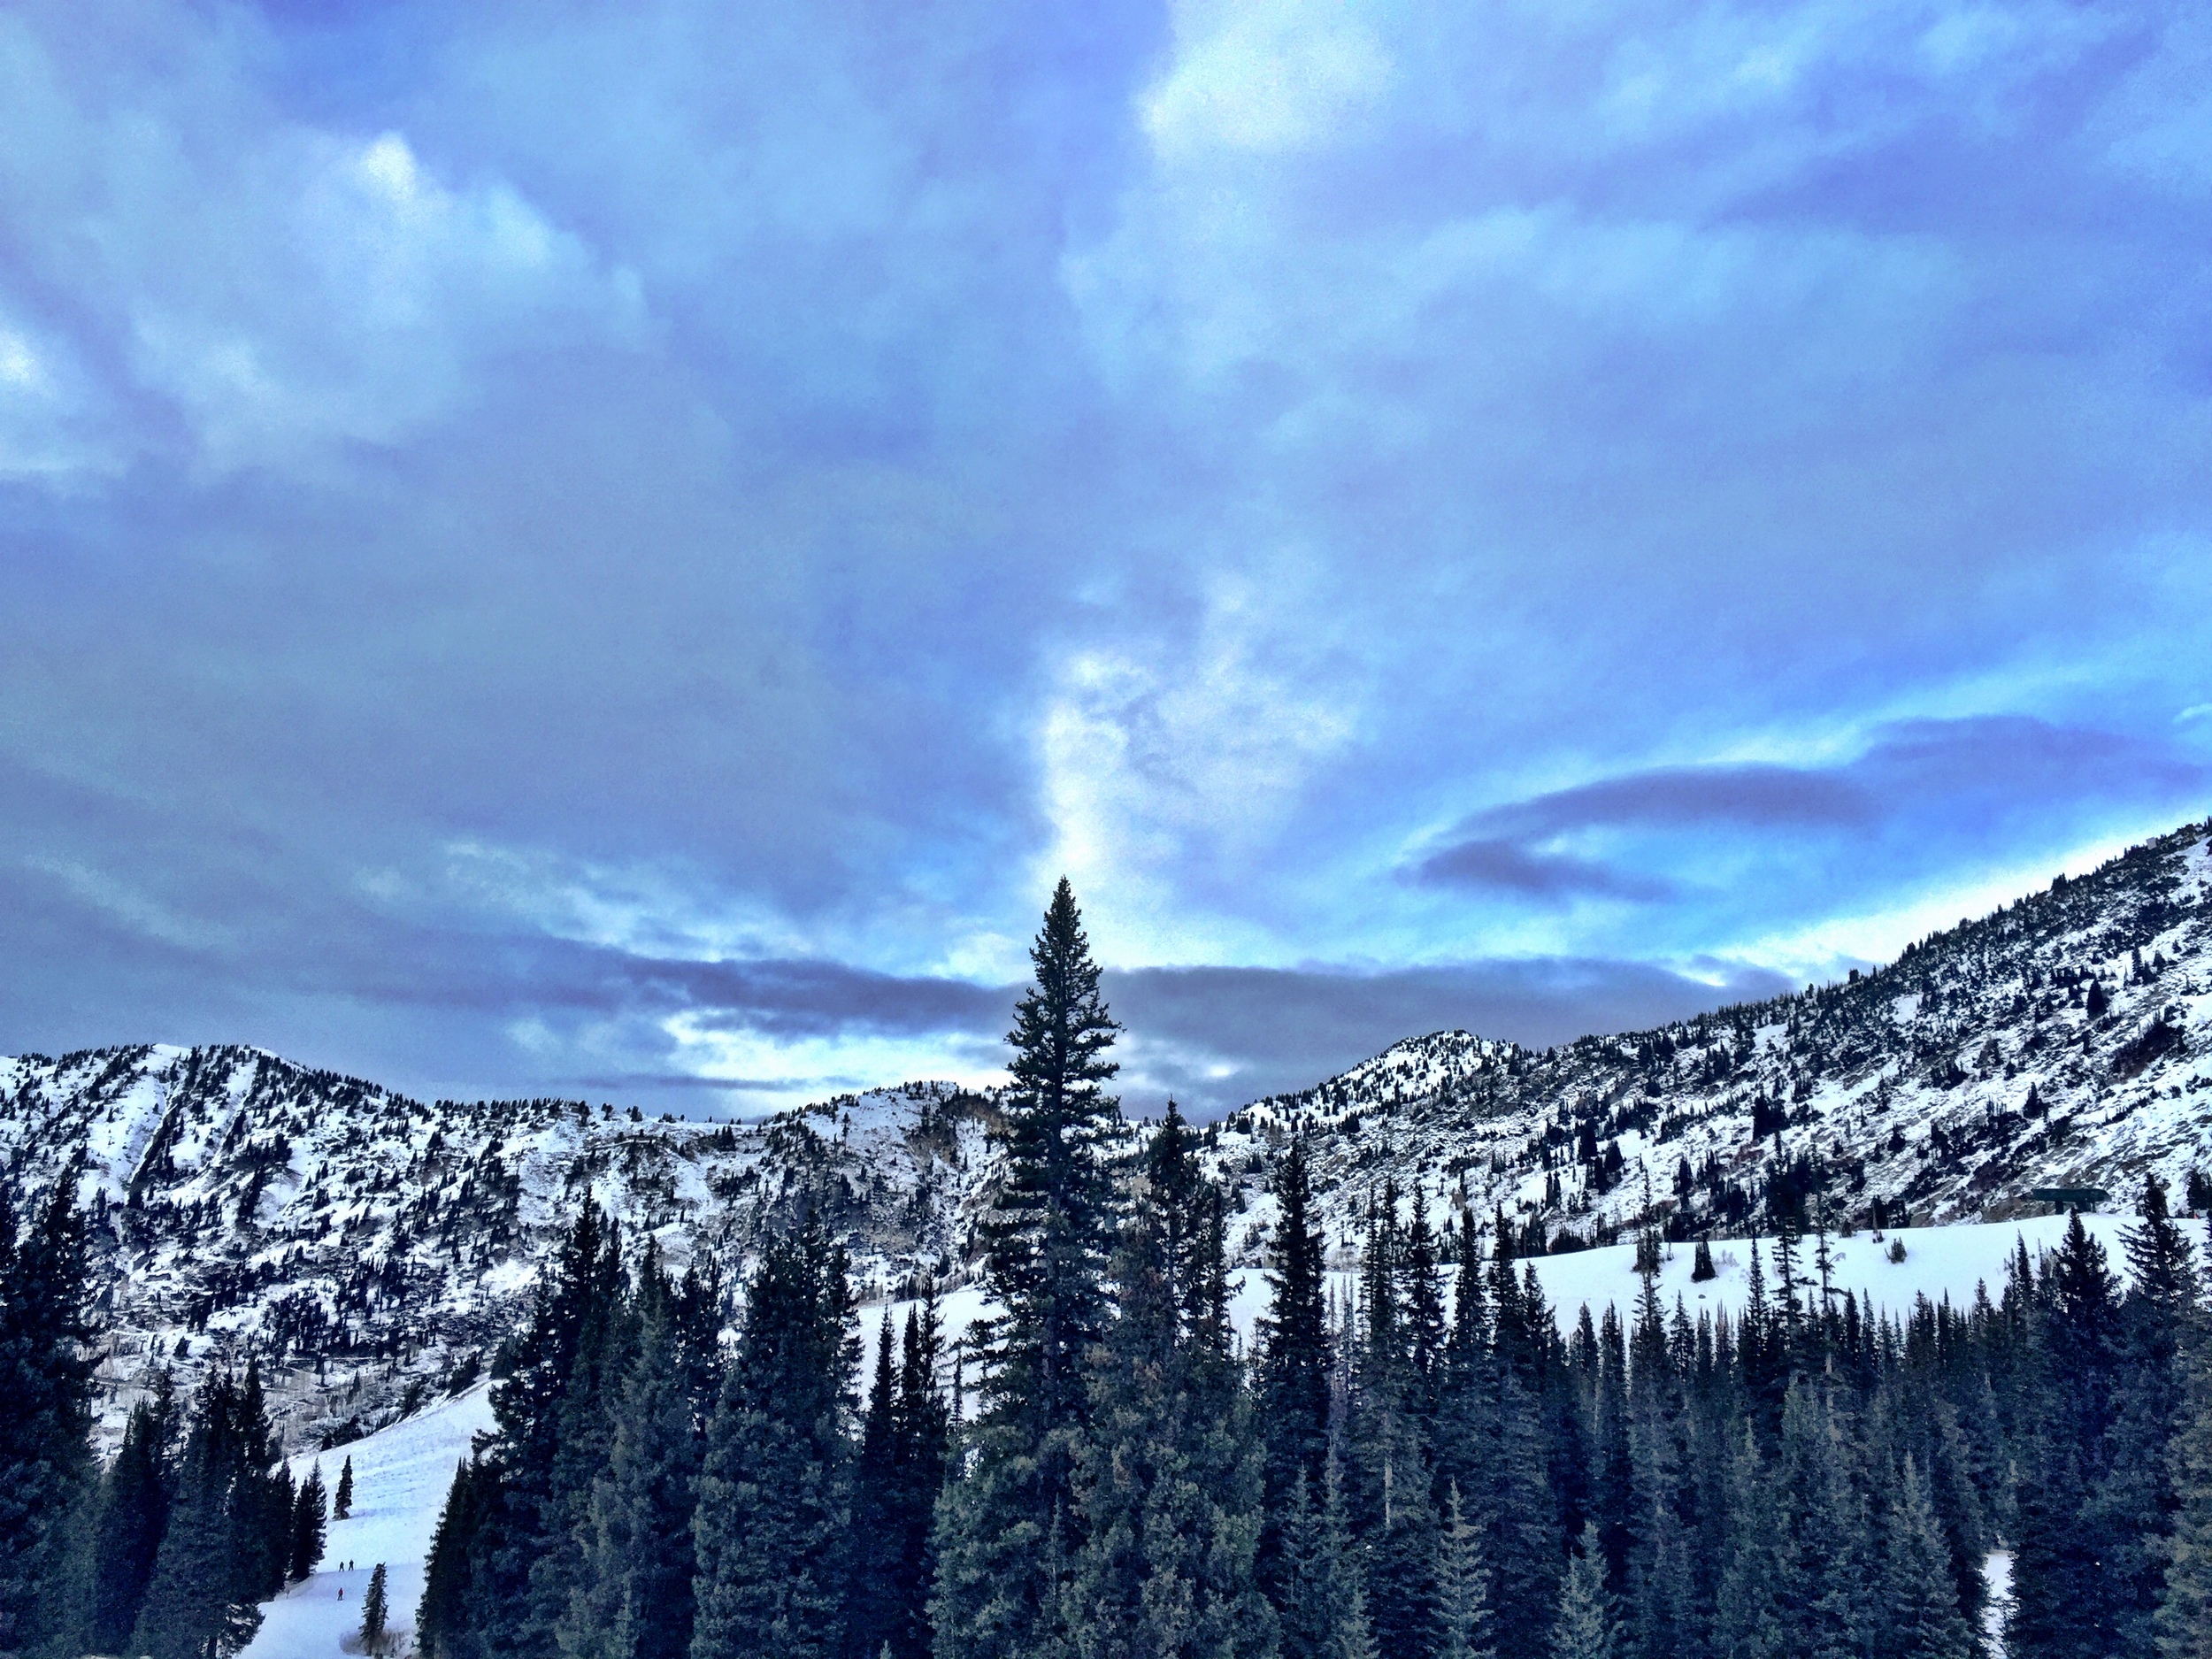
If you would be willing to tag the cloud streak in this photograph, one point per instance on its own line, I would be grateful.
(1924, 776)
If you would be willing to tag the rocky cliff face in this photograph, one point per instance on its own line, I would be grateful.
(372, 1249)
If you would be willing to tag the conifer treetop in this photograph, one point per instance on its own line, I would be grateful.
(1062, 1029)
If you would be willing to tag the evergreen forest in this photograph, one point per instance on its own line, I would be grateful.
(1425, 1468)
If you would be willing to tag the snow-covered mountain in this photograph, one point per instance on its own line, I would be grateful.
(2064, 1042)
(372, 1249)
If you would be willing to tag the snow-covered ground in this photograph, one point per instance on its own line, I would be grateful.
(1997, 1574)
(400, 1478)
(1939, 1262)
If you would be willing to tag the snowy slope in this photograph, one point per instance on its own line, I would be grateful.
(1939, 1262)
(1952, 1263)
(372, 1249)
(1947, 1087)
(400, 1477)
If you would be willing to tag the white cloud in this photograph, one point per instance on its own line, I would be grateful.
(1165, 762)
(139, 911)
(283, 288)
(1283, 75)
(354, 298)
(49, 431)
(644, 909)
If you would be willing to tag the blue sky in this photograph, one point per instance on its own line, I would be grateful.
(621, 550)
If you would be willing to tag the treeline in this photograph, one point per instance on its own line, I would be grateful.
(1431, 1471)
(170, 1549)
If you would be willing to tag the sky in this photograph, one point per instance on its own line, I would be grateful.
(620, 551)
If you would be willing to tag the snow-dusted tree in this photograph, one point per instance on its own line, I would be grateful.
(1463, 1589)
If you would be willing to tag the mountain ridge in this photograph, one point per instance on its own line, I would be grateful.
(372, 1249)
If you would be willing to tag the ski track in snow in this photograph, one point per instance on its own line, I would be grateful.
(400, 1478)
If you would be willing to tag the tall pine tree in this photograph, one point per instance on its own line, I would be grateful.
(310, 1517)
(634, 1597)
(2185, 1614)
(1293, 1372)
(2067, 1599)
(1170, 1483)
(1046, 1244)
(134, 1515)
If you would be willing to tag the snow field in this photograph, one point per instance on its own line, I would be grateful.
(1939, 1262)
(400, 1478)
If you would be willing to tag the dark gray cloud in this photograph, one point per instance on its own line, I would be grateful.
(1688, 796)
(1495, 862)
(1933, 782)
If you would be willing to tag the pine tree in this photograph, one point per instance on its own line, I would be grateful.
(48, 1478)
(261, 1501)
(1463, 1590)
(531, 1497)
(923, 1425)
(2184, 1615)
(1526, 1554)
(1045, 1250)
(222, 1547)
(1293, 1372)
(1170, 1483)
(1750, 1619)
(375, 1638)
(1424, 1316)
(1920, 1607)
(2136, 1502)
(2066, 1601)
(635, 1598)
(443, 1625)
(1612, 1480)
(876, 1545)
(771, 1530)
(309, 1518)
(1821, 1564)
(1356, 1636)
(561, 1573)
(1585, 1626)
(1308, 1578)
(341, 1505)
(1323, 1606)
(1390, 1480)
(133, 1514)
